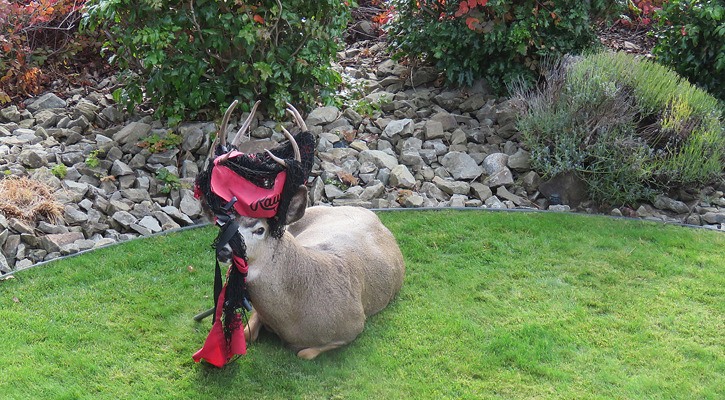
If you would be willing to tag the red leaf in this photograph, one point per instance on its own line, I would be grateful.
(472, 23)
(258, 18)
(482, 3)
(462, 9)
(472, 3)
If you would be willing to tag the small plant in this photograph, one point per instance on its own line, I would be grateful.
(168, 181)
(628, 127)
(157, 144)
(60, 171)
(691, 40)
(92, 159)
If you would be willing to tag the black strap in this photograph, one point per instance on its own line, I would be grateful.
(226, 234)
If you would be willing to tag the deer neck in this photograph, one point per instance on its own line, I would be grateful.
(286, 260)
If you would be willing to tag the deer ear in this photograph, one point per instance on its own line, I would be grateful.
(297, 205)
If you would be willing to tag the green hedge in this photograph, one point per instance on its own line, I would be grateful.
(193, 58)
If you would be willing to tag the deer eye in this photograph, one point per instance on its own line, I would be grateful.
(258, 231)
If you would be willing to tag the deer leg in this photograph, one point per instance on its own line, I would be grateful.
(312, 352)
(251, 331)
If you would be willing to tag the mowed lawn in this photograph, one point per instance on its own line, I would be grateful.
(494, 305)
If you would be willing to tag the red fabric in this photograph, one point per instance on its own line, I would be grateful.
(252, 200)
(216, 350)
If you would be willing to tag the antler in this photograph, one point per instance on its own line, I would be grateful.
(221, 134)
(245, 125)
(301, 123)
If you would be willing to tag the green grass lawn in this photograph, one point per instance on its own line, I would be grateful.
(494, 305)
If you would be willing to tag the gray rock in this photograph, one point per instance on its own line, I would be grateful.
(150, 223)
(559, 208)
(503, 193)
(20, 226)
(530, 181)
(165, 220)
(177, 215)
(103, 242)
(413, 201)
(379, 158)
(714, 217)
(322, 116)
(48, 228)
(142, 230)
(132, 133)
(493, 202)
(167, 157)
(434, 192)
(520, 161)
(86, 109)
(373, 191)
(398, 128)
(46, 101)
(461, 166)
(193, 136)
(481, 191)
(448, 99)
(135, 195)
(400, 176)
(666, 203)
(189, 205)
(433, 130)
(120, 168)
(333, 192)
(458, 201)
(10, 114)
(74, 216)
(32, 159)
(499, 178)
(125, 219)
(494, 162)
(4, 266)
(451, 187)
(54, 242)
(447, 120)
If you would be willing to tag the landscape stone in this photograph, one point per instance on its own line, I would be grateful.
(461, 166)
(46, 101)
(379, 158)
(520, 161)
(53, 242)
(500, 178)
(451, 187)
(150, 223)
(565, 188)
(494, 163)
(398, 128)
(322, 116)
(666, 203)
(400, 176)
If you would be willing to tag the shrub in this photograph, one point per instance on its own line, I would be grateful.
(195, 57)
(691, 40)
(628, 127)
(33, 34)
(500, 40)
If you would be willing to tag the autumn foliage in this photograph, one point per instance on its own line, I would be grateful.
(33, 35)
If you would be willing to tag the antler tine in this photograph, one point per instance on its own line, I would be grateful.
(276, 159)
(225, 121)
(245, 125)
(295, 147)
(298, 118)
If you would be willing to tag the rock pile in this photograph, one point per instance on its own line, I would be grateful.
(404, 143)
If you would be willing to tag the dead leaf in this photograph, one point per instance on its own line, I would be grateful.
(6, 278)
(347, 178)
(191, 268)
(15, 299)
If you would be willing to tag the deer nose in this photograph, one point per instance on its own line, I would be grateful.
(224, 254)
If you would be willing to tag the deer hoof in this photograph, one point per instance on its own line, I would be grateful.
(309, 353)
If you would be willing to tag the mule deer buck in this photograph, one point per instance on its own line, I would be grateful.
(316, 282)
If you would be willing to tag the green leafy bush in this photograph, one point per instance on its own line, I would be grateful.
(195, 57)
(500, 40)
(628, 127)
(691, 40)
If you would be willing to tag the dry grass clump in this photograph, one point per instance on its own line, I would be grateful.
(28, 199)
